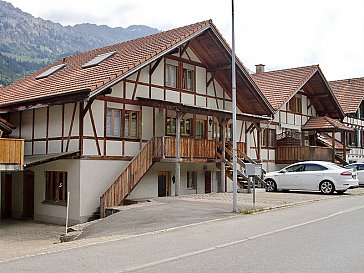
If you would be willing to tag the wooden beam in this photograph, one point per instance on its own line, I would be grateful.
(185, 48)
(136, 84)
(94, 131)
(88, 105)
(219, 68)
(210, 80)
(155, 65)
(71, 126)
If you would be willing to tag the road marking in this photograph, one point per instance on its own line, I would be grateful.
(105, 240)
(202, 251)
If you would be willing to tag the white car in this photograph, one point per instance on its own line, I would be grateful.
(359, 167)
(326, 177)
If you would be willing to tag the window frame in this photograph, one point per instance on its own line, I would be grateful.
(185, 79)
(168, 79)
(112, 122)
(130, 123)
(191, 182)
(269, 138)
(183, 126)
(52, 193)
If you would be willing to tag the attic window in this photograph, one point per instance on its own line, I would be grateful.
(50, 71)
(98, 59)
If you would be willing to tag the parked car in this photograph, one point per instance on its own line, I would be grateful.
(326, 177)
(359, 167)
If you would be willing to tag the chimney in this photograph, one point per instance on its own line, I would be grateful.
(259, 68)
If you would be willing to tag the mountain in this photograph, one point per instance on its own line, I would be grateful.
(28, 43)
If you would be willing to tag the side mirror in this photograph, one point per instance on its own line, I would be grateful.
(283, 171)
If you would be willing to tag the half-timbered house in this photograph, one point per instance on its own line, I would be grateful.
(350, 94)
(307, 118)
(144, 118)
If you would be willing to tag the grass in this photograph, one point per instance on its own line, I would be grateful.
(250, 211)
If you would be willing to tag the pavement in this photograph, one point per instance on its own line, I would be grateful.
(21, 238)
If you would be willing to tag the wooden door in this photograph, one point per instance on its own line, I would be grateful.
(208, 182)
(8, 192)
(28, 195)
(163, 184)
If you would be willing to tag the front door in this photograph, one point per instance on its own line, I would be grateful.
(163, 184)
(207, 182)
(8, 192)
(28, 195)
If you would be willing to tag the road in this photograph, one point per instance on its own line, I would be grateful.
(322, 236)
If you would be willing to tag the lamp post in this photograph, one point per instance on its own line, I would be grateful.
(233, 91)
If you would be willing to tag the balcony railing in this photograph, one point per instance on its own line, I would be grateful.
(12, 152)
(292, 154)
(165, 147)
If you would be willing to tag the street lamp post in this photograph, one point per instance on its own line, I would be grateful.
(233, 86)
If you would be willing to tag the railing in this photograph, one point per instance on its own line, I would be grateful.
(165, 147)
(12, 152)
(295, 135)
(128, 179)
(288, 154)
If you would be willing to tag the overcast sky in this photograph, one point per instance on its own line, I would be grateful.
(278, 33)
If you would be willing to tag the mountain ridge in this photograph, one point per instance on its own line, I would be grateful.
(28, 43)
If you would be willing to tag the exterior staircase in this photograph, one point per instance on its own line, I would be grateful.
(128, 179)
(242, 158)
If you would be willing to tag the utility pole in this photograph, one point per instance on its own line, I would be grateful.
(233, 91)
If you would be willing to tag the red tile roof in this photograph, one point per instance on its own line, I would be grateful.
(325, 124)
(279, 85)
(72, 77)
(131, 56)
(349, 93)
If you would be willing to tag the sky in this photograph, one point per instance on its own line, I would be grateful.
(278, 33)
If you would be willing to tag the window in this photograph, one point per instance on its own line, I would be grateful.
(314, 167)
(216, 134)
(295, 105)
(191, 180)
(50, 71)
(188, 79)
(269, 138)
(113, 122)
(171, 75)
(298, 105)
(296, 168)
(171, 126)
(185, 126)
(200, 129)
(131, 124)
(56, 186)
(98, 59)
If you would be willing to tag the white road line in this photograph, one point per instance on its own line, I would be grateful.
(193, 253)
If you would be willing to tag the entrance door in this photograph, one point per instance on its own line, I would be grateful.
(163, 184)
(8, 192)
(28, 195)
(207, 182)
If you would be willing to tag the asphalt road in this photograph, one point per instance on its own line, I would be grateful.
(323, 236)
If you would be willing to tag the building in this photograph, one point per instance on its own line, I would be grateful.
(307, 117)
(350, 94)
(144, 118)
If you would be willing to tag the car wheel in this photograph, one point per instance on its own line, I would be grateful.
(270, 185)
(327, 187)
(341, 192)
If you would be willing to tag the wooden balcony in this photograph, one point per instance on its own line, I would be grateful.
(165, 147)
(293, 154)
(12, 152)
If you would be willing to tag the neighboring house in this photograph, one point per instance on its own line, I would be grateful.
(350, 94)
(144, 118)
(306, 111)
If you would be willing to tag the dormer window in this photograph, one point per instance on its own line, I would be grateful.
(98, 59)
(50, 71)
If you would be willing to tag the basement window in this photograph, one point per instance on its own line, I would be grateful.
(50, 71)
(98, 59)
